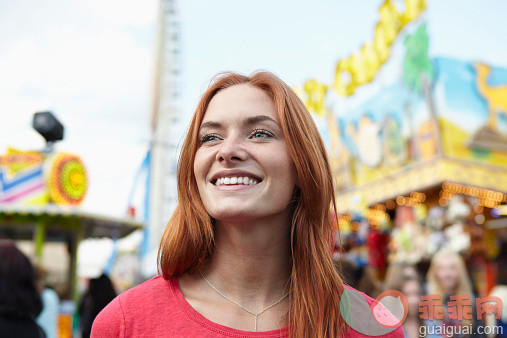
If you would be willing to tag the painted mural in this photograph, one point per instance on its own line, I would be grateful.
(472, 98)
(439, 107)
(21, 178)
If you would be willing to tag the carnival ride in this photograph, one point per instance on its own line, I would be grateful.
(40, 192)
(159, 164)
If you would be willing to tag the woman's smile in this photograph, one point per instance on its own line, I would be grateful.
(233, 180)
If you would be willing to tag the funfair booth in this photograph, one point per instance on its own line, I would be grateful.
(40, 194)
(420, 162)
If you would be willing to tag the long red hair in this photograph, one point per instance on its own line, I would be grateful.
(188, 240)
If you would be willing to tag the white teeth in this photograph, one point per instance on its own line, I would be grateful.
(235, 180)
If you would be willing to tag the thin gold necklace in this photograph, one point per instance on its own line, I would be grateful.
(232, 301)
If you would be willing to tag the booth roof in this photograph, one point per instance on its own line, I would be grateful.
(55, 218)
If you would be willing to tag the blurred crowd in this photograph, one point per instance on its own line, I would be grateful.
(446, 276)
(29, 308)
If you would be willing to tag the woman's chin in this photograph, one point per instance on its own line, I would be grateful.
(234, 215)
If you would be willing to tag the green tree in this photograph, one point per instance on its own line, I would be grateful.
(418, 73)
(416, 62)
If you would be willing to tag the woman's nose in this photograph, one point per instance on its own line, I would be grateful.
(232, 149)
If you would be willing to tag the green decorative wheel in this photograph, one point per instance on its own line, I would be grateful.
(67, 180)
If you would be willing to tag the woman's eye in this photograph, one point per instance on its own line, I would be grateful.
(209, 137)
(261, 134)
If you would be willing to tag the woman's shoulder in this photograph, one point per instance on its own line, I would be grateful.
(137, 306)
(152, 286)
(148, 294)
(367, 317)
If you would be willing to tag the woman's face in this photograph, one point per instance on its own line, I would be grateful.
(448, 274)
(241, 138)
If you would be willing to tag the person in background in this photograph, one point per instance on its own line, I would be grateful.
(100, 293)
(499, 326)
(403, 277)
(48, 318)
(20, 302)
(411, 286)
(396, 273)
(448, 276)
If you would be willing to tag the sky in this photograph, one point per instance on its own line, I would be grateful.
(90, 62)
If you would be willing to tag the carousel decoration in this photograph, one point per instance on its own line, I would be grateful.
(67, 180)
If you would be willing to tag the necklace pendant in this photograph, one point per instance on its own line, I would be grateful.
(241, 306)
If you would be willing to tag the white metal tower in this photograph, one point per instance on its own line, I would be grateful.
(164, 121)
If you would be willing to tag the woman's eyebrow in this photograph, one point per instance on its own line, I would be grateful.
(248, 121)
(210, 124)
(259, 118)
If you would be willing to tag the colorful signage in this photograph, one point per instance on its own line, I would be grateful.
(28, 178)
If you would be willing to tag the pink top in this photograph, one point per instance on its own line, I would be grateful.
(157, 308)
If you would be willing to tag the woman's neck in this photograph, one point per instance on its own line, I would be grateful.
(251, 259)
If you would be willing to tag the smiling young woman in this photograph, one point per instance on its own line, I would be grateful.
(247, 251)
(295, 149)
